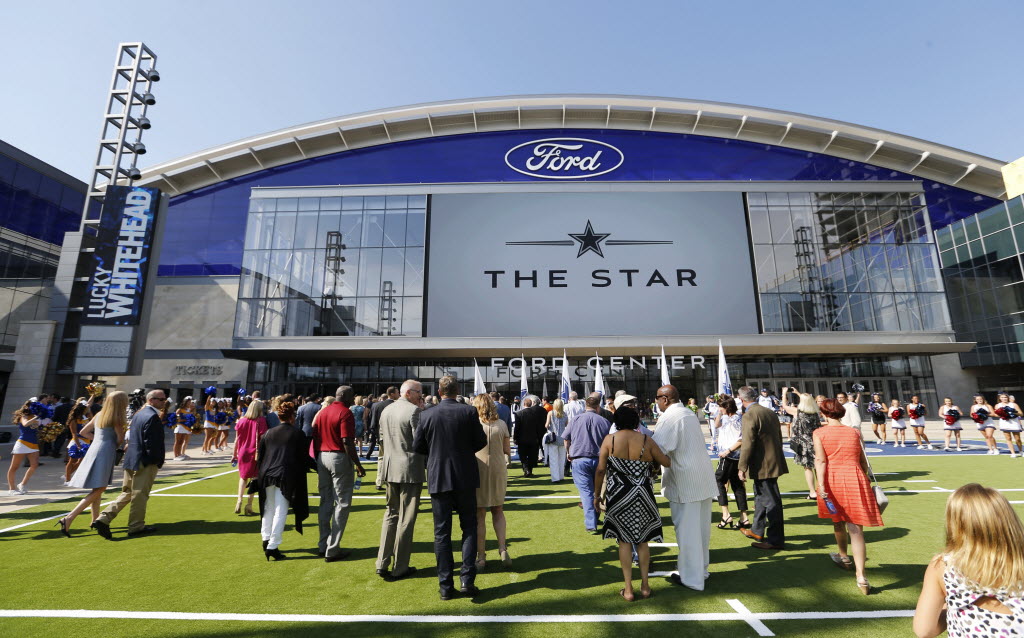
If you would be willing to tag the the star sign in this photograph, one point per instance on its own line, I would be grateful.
(589, 240)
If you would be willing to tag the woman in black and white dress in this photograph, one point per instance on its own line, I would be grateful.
(631, 516)
(876, 408)
(729, 434)
(951, 422)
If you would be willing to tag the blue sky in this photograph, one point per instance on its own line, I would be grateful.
(947, 72)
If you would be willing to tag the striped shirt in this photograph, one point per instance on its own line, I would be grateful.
(690, 477)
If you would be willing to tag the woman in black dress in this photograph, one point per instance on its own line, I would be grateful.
(631, 516)
(282, 460)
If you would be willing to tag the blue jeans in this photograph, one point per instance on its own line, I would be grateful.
(583, 476)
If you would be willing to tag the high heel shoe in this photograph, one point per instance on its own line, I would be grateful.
(248, 510)
(238, 506)
(273, 553)
(744, 524)
(63, 524)
(726, 524)
(481, 562)
(506, 560)
(265, 543)
(864, 586)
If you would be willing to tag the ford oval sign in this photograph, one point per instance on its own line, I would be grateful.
(564, 158)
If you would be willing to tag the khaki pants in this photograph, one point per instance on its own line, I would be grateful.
(403, 500)
(135, 490)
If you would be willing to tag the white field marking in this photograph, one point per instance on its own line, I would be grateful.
(105, 503)
(663, 545)
(1016, 502)
(919, 481)
(368, 496)
(750, 618)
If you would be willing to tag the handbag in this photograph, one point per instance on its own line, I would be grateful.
(549, 438)
(880, 497)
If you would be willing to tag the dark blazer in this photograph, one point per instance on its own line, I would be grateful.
(375, 411)
(145, 440)
(62, 412)
(450, 436)
(304, 417)
(283, 456)
(761, 455)
(530, 425)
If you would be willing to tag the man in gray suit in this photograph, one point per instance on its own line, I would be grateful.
(402, 471)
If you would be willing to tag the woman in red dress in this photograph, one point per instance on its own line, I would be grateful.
(843, 484)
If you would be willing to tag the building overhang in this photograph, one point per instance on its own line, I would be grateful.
(927, 160)
(799, 344)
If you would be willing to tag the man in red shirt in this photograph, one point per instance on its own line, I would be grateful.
(334, 434)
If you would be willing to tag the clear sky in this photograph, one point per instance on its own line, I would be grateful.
(947, 72)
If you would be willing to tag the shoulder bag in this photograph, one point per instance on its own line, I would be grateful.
(880, 497)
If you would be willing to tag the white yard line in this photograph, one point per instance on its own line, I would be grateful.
(755, 620)
(919, 481)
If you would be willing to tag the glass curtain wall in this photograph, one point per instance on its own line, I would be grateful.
(981, 267)
(333, 266)
(845, 261)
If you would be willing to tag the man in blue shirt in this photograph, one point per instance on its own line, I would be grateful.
(584, 436)
(504, 412)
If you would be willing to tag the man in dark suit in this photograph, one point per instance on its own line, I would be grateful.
(61, 411)
(143, 456)
(373, 432)
(530, 422)
(762, 458)
(450, 436)
(304, 415)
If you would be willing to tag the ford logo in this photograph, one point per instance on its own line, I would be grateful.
(564, 158)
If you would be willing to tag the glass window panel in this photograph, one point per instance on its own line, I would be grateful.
(288, 204)
(268, 318)
(260, 231)
(833, 313)
(759, 227)
(261, 205)
(417, 201)
(309, 203)
(414, 271)
(301, 314)
(971, 226)
(1016, 208)
(934, 313)
(925, 270)
(959, 236)
(414, 228)
(993, 220)
(886, 318)
(373, 228)
(330, 203)
(757, 199)
(1000, 245)
(1018, 233)
(908, 311)
(856, 269)
(259, 263)
(351, 203)
(327, 222)
(302, 273)
(389, 314)
(396, 202)
(367, 316)
(284, 231)
(764, 267)
(375, 203)
(781, 225)
(788, 275)
(280, 265)
(833, 275)
(412, 316)
(944, 238)
(394, 229)
(948, 259)
(899, 268)
(798, 313)
(305, 230)
(352, 228)
(862, 315)
(369, 272)
(1007, 271)
(392, 270)
(771, 315)
(778, 199)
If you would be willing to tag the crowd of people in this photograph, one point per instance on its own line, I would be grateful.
(462, 448)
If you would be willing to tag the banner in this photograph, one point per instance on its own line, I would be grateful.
(478, 380)
(566, 385)
(121, 260)
(665, 379)
(724, 384)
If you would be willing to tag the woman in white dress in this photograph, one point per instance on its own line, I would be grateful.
(555, 452)
(951, 417)
(898, 423)
(981, 413)
(916, 412)
(1009, 423)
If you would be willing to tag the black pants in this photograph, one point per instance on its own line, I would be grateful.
(528, 456)
(371, 436)
(443, 504)
(728, 472)
(768, 520)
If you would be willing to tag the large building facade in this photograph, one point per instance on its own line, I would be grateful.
(416, 241)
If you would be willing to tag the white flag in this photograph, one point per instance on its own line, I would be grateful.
(478, 380)
(566, 386)
(724, 385)
(523, 391)
(599, 379)
(664, 369)
(544, 389)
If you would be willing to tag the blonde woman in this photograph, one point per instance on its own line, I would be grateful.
(182, 420)
(248, 431)
(107, 430)
(493, 479)
(806, 419)
(555, 452)
(210, 425)
(976, 586)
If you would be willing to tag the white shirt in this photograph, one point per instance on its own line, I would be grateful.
(766, 402)
(574, 408)
(730, 432)
(852, 416)
(690, 478)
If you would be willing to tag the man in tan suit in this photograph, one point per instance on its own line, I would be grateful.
(402, 472)
(762, 458)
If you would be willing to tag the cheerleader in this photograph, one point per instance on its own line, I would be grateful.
(224, 421)
(27, 445)
(1009, 422)
(951, 416)
(78, 444)
(878, 414)
(210, 425)
(981, 413)
(711, 409)
(916, 411)
(182, 420)
(898, 425)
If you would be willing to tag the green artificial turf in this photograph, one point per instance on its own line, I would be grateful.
(207, 559)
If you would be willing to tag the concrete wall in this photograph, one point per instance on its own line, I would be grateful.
(30, 357)
(953, 381)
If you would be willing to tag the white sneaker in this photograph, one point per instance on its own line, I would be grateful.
(1013, 455)
(929, 446)
(179, 458)
(946, 449)
(994, 452)
(186, 457)
(21, 489)
(14, 493)
(903, 445)
(959, 449)
(920, 447)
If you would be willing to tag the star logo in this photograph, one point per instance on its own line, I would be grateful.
(589, 241)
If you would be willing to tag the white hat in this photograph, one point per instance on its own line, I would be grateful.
(623, 398)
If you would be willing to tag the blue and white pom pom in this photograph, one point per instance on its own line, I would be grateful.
(241, 392)
(78, 451)
(211, 390)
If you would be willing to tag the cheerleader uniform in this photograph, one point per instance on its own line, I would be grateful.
(955, 427)
(1008, 425)
(211, 420)
(919, 421)
(222, 421)
(878, 414)
(897, 424)
(987, 423)
(28, 438)
(177, 420)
